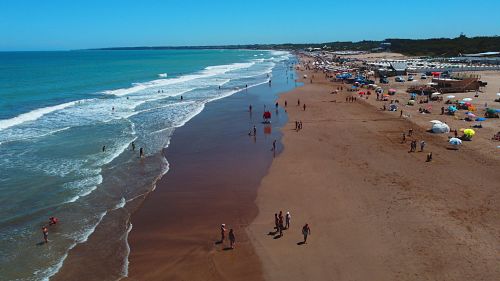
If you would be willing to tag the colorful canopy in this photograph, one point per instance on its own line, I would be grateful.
(469, 132)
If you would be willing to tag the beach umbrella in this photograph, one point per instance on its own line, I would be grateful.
(481, 119)
(498, 94)
(455, 141)
(469, 133)
(435, 94)
(392, 90)
(467, 99)
(450, 96)
(452, 108)
(440, 128)
(470, 114)
(435, 122)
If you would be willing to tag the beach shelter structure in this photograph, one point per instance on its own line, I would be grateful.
(469, 133)
(393, 107)
(440, 128)
(455, 141)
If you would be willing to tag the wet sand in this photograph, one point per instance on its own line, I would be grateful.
(215, 169)
(376, 211)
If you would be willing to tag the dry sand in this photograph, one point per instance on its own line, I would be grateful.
(376, 212)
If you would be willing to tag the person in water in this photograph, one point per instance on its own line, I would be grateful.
(103, 148)
(141, 152)
(182, 97)
(45, 232)
(53, 220)
(133, 146)
(254, 130)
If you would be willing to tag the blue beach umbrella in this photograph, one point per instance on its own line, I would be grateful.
(481, 119)
(455, 141)
(452, 108)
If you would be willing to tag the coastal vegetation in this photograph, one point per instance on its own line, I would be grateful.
(415, 47)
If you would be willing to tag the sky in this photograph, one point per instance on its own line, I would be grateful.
(80, 24)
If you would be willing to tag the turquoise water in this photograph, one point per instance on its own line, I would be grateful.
(58, 110)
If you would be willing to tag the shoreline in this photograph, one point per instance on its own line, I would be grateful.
(376, 212)
(172, 232)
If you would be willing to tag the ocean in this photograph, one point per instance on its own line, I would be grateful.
(67, 122)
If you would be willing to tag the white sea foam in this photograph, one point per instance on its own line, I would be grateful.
(207, 72)
(33, 115)
(120, 204)
(126, 262)
(162, 75)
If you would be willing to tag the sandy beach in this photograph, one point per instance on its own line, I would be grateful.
(376, 212)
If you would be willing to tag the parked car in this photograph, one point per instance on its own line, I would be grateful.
(400, 79)
(423, 76)
(410, 78)
(384, 80)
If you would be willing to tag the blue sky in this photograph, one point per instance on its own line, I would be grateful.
(75, 24)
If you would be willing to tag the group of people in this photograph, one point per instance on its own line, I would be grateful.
(350, 99)
(281, 223)
(45, 228)
(414, 143)
(232, 237)
(298, 125)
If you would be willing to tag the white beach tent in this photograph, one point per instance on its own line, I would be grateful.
(440, 128)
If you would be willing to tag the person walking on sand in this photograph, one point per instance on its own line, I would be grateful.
(281, 223)
(222, 232)
(288, 218)
(422, 145)
(141, 152)
(429, 157)
(304, 107)
(45, 232)
(401, 114)
(276, 222)
(274, 145)
(410, 132)
(133, 146)
(254, 130)
(306, 230)
(403, 140)
(298, 102)
(286, 103)
(232, 238)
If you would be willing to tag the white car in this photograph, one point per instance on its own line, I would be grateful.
(423, 76)
(400, 79)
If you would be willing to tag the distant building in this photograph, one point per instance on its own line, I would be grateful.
(399, 67)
